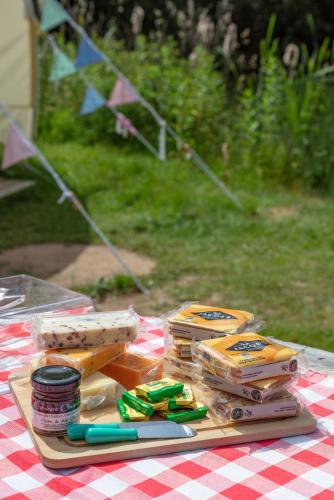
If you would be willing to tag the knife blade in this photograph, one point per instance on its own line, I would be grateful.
(76, 432)
(101, 435)
(166, 432)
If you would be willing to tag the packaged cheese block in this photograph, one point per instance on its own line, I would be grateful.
(99, 391)
(184, 400)
(129, 414)
(87, 360)
(131, 369)
(181, 366)
(130, 398)
(258, 390)
(182, 347)
(157, 405)
(252, 373)
(186, 415)
(159, 389)
(84, 330)
(204, 322)
(228, 408)
(246, 357)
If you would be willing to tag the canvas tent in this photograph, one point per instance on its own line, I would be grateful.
(17, 64)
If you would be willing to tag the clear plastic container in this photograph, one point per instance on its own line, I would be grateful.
(22, 296)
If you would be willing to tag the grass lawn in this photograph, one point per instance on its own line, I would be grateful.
(275, 258)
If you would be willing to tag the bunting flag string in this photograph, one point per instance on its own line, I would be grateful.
(124, 126)
(17, 147)
(87, 54)
(62, 66)
(122, 94)
(90, 105)
(92, 101)
(53, 14)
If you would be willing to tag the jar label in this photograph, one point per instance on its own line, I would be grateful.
(54, 407)
(54, 422)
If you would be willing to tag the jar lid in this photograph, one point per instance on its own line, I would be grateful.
(55, 378)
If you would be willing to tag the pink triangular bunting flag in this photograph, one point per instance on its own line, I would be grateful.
(17, 147)
(122, 94)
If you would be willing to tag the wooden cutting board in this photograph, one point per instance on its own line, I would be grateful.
(56, 453)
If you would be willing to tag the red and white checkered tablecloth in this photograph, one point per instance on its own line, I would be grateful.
(300, 467)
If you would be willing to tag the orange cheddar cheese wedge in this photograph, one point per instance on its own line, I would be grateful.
(131, 369)
(87, 360)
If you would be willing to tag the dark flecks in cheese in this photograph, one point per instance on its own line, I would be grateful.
(84, 333)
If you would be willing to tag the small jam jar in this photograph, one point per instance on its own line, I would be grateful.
(55, 399)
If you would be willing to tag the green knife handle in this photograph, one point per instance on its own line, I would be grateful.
(77, 431)
(103, 435)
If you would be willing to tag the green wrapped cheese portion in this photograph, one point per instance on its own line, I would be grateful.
(159, 389)
(186, 415)
(184, 400)
(128, 414)
(157, 406)
(130, 398)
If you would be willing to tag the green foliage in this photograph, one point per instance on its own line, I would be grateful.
(120, 283)
(280, 121)
(189, 94)
(272, 124)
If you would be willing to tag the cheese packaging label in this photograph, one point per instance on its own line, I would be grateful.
(258, 391)
(211, 318)
(249, 374)
(246, 349)
(234, 409)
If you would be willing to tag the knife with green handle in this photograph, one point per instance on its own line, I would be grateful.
(100, 435)
(76, 432)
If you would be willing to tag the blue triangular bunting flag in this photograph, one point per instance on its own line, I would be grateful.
(87, 54)
(53, 14)
(92, 101)
(61, 66)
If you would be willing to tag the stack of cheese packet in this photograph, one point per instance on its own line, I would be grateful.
(87, 342)
(167, 397)
(199, 322)
(251, 374)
